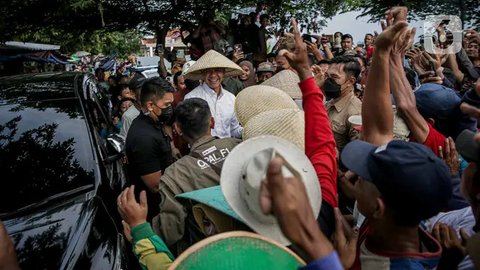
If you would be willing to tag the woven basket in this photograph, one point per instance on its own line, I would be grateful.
(288, 124)
(287, 81)
(209, 60)
(260, 98)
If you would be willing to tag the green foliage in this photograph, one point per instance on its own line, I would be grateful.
(78, 24)
(100, 41)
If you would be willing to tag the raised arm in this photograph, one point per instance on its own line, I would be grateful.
(405, 100)
(377, 112)
(319, 141)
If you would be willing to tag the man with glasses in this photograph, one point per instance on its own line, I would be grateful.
(148, 146)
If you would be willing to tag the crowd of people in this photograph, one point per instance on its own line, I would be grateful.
(360, 157)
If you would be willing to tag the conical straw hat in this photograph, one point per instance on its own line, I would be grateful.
(237, 250)
(288, 124)
(287, 81)
(260, 98)
(213, 59)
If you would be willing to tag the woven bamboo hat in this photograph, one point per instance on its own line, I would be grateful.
(209, 60)
(237, 251)
(287, 81)
(288, 124)
(260, 98)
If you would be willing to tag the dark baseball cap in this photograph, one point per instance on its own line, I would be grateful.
(436, 101)
(409, 176)
(467, 147)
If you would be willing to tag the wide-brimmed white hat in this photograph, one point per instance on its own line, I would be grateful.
(288, 124)
(260, 98)
(187, 66)
(246, 167)
(287, 81)
(209, 60)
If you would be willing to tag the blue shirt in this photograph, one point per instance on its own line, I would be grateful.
(330, 262)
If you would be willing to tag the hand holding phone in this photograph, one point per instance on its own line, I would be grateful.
(237, 47)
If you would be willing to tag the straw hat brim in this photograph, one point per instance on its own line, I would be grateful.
(237, 250)
(287, 81)
(288, 124)
(232, 173)
(210, 60)
(260, 98)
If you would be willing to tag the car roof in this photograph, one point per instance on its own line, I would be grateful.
(37, 87)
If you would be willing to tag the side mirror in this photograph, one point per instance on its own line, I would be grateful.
(115, 147)
(116, 143)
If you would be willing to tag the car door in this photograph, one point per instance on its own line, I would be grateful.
(98, 109)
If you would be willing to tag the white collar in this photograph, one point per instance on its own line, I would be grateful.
(212, 92)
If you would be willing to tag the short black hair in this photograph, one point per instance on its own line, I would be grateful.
(193, 117)
(155, 88)
(264, 16)
(351, 65)
(191, 84)
(345, 36)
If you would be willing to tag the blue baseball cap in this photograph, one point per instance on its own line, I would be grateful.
(436, 101)
(411, 179)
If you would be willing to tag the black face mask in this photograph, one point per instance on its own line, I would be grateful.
(332, 89)
(166, 114)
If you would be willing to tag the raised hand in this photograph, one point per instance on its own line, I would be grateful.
(415, 55)
(454, 250)
(387, 39)
(287, 199)
(132, 212)
(450, 155)
(345, 240)
(472, 36)
(299, 59)
(319, 75)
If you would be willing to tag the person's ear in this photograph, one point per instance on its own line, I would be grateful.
(177, 129)
(379, 208)
(149, 106)
(352, 80)
(212, 123)
(431, 121)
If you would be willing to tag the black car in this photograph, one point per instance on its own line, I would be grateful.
(60, 171)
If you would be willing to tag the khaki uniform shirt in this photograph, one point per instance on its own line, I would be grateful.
(339, 112)
(188, 174)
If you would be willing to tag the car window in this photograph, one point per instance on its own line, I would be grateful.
(98, 106)
(45, 149)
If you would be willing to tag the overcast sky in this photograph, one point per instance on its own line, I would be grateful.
(348, 23)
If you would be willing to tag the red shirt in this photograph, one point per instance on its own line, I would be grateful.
(434, 139)
(319, 141)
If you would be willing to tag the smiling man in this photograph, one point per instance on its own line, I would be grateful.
(212, 68)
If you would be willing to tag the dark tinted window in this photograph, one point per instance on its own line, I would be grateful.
(45, 148)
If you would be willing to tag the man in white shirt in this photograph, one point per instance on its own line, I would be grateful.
(212, 68)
